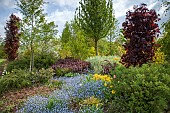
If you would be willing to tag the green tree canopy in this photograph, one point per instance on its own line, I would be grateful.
(95, 18)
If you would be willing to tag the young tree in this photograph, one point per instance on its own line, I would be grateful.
(95, 18)
(66, 34)
(113, 33)
(33, 19)
(140, 30)
(12, 37)
(47, 35)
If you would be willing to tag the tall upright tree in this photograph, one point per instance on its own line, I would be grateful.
(96, 18)
(33, 19)
(12, 37)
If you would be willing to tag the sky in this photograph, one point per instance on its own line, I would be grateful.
(61, 11)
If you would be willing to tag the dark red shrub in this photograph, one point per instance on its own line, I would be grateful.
(140, 30)
(12, 37)
(74, 65)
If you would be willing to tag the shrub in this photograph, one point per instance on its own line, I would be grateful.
(41, 76)
(140, 30)
(40, 60)
(61, 71)
(54, 83)
(73, 65)
(159, 57)
(44, 60)
(98, 61)
(14, 80)
(22, 78)
(18, 64)
(144, 89)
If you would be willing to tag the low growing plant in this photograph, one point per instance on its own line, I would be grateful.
(73, 65)
(101, 64)
(42, 75)
(14, 80)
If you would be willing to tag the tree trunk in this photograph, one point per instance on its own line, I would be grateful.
(96, 47)
(32, 59)
(110, 43)
(32, 49)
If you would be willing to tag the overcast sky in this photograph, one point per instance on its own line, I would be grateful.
(61, 11)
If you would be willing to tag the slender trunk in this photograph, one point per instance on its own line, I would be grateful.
(32, 49)
(110, 43)
(96, 47)
(32, 58)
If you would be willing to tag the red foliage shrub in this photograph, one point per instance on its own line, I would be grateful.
(140, 30)
(74, 65)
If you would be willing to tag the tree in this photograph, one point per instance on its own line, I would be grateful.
(47, 35)
(12, 37)
(165, 40)
(33, 19)
(140, 30)
(95, 18)
(66, 34)
(113, 33)
(166, 4)
(74, 42)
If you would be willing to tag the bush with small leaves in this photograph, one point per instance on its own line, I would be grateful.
(14, 80)
(141, 89)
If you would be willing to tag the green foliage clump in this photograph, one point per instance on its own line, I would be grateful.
(22, 63)
(17, 79)
(141, 90)
(14, 80)
(61, 71)
(91, 101)
(41, 61)
(97, 62)
(70, 74)
(159, 57)
(44, 60)
(74, 43)
(54, 83)
(91, 109)
(42, 75)
(3, 55)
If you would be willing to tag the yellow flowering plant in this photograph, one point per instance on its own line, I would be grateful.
(108, 84)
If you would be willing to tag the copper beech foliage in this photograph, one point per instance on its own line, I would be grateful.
(140, 30)
(12, 37)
